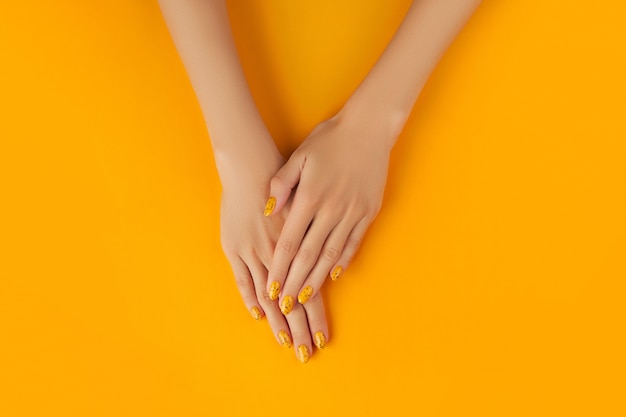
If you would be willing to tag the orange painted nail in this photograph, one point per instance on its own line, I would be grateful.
(305, 294)
(256, 313)
(320, 340)
(284, 338)
(269, 206)
(287, 305)
(274, 290)
(303, 353)
(336, 273)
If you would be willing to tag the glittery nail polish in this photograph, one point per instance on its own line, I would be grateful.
(303, 353)
(305, 294)
(336, 273)
(274, 290)
(284, 338)
(287, 305)
(269, 206)
(320, 340)
(256, 313)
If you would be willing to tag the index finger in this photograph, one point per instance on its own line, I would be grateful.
(287, 246)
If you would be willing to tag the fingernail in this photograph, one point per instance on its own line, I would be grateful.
(256, 313)
(284, 338)
(305, 294)
(274, 290)
(303, 353)
(320, 340)
(287, 305)
(336, 273)
(269, 206)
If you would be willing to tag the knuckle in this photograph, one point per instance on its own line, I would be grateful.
(244, 283)
(277, 181)
(317, 323)
(306, 255)
(264, 298)
(287, 246)
(331, 253)
(246, 289)
(353, 242)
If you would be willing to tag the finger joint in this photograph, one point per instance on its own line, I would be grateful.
(331, 254)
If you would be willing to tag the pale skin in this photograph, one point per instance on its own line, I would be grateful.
(315, 229)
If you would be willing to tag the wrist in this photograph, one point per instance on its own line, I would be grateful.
(385, 123)
(382, 127)
(255, 162)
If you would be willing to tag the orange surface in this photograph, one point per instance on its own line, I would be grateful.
(492, 283)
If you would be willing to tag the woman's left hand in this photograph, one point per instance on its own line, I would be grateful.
(340, 171)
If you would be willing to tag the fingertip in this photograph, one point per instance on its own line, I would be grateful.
(284, 339)
(320, 340)
(274, 290)
(305, 294)
(256, 313)
(303, 353)
(286, 305)
(336, 272)
(270, 205)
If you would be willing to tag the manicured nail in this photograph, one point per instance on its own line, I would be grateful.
(256, 313)
(274, 290)
(336, 273)
(305, 294)
(284, 338)
(269, 206)
(287, 305)
(303, 353)
(320, 340)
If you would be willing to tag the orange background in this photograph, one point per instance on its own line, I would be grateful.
(491, 284)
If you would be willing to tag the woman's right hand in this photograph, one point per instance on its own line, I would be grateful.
(249, 238)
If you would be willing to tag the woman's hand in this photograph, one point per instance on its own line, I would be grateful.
(340, 171)
(248, 240)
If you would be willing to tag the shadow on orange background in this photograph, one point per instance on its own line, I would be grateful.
(491, 284)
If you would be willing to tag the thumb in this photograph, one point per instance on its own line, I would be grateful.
(282, 183)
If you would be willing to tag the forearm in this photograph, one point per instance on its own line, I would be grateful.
(389, 91)
(202, 35)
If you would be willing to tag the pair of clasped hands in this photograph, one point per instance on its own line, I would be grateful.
(286, 227)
